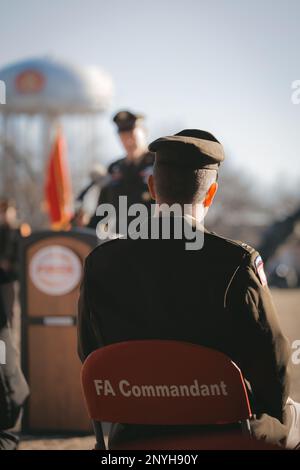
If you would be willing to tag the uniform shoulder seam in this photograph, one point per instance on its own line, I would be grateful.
(103, 244)
(244, 246)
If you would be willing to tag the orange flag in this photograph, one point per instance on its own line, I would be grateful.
(58, 190)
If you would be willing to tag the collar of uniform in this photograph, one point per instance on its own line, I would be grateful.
(164, 211)
(146, 224)
(136, 161)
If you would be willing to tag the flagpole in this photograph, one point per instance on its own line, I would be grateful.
(50, 121)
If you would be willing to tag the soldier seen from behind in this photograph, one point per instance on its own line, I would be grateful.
(216, 296)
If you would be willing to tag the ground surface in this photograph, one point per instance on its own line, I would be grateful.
(58, 443)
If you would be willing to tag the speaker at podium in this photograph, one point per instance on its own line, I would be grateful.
(51, 272)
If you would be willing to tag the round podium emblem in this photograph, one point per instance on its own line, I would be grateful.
(55, 270)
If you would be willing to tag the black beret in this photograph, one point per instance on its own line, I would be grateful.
(190, 148)
(126, 121)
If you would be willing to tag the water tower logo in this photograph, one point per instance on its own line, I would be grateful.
(30, 81)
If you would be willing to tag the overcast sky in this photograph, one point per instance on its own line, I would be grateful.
(222, 65)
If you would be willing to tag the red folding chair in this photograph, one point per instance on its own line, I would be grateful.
(170, 383)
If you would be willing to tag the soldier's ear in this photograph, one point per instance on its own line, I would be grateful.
(210, 195)
(151, 187)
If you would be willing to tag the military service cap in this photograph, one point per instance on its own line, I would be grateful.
(191, 148)
(126, 121)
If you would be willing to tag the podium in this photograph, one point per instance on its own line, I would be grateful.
(51, 272)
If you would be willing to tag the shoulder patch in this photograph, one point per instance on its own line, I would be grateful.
(259, 264)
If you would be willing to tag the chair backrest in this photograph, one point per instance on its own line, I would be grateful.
(164, 383)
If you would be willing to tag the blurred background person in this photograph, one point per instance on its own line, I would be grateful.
(128, 175)
(13, 386)
(9, 240)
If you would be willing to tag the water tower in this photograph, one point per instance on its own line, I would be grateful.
(40, 92)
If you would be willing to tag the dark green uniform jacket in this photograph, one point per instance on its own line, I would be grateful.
(215, 296)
